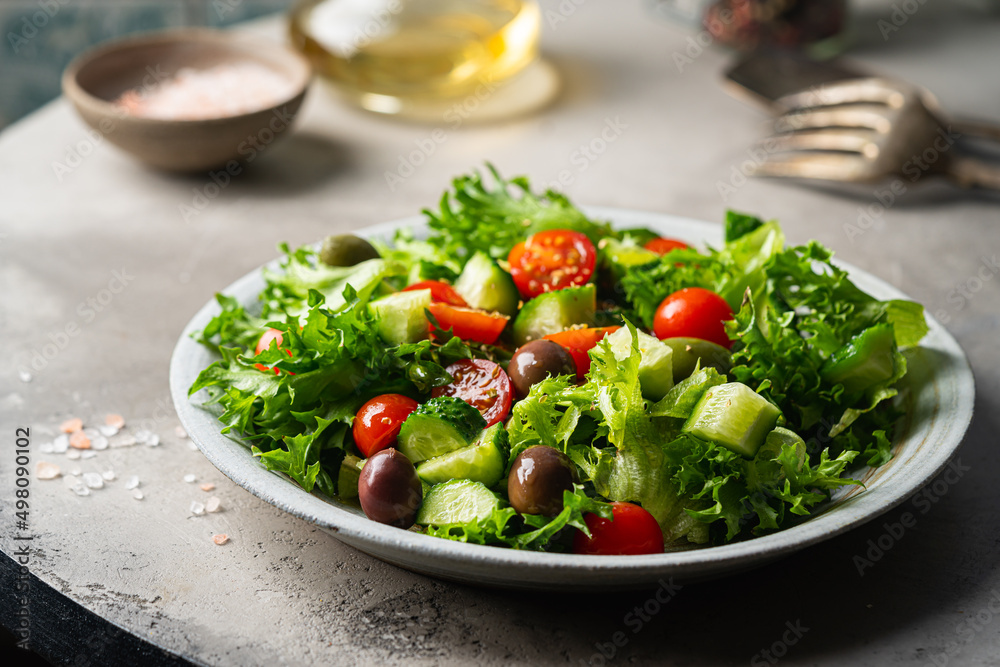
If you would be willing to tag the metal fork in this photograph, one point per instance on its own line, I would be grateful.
(869, 130)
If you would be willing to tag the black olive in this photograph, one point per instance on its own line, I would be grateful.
(346, 250)
(535, 361)
(537, 480)
(389, 489)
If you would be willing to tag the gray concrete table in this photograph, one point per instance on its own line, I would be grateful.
(101, 268)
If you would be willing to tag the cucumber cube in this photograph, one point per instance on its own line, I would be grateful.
(656, 373)
(734, 416)
(400, 317)
(457, 501)
(483, 462)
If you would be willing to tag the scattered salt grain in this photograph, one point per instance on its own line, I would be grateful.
(24, 376)
(91, 433)
(180, 432)
(143, 435)
(99, 443)
(153, 441)
(213, 504)
(81, 490)
(70, 480)
(60, 444)
(47, 448)
(87, 454)
(193, 447)
(108, 431)
(93, 480)
(126, 440)
(132, 483)
(108, 475)
(75, 472)
(71, 425)
(79, 440)
(207, 486)
(114, 420)
(197, 508)
(189, 478)
(46, 470)
(137, 494)
(220, 539)
(73, 454)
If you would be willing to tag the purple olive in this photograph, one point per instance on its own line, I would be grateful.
(537, 480)
(389, 489)
(535, 361)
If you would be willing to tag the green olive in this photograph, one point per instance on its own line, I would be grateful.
(346, 250)
(687, 352)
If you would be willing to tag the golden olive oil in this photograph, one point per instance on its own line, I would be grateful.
(384, 53)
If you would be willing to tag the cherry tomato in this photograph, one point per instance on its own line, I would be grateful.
(578, 342)
(441, 292)
(482, 384)
(265, 343)
(551, 260)
(469, 324)
(661, 246)
(377, 423)
(632, 531)
(693, 312)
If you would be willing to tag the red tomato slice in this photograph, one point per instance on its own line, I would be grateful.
(578, 342)
(662, 246)
(693, 312)
(441, 292)
(483, 385)
(469, 324)
(632, 531)
(264, 343)
(378, 421)
(551, 260)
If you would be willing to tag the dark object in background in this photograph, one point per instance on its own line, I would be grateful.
(750, 24)
(764, 76)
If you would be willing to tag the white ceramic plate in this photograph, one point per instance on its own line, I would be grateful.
(940, 399)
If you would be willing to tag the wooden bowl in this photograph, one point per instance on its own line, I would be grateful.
(100, 76)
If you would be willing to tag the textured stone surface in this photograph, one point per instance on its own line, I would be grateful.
(282, 592)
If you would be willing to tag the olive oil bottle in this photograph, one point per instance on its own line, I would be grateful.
(387, 55)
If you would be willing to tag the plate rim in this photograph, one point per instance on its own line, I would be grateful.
(386, 542)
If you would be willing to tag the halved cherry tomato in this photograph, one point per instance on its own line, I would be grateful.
(264, 343)
(632, 531)
(441, 292)
(468, 323)
(551, 260)
(378, 421)
(578, 342)
(482, 384)
(661, 246)
(693, 312)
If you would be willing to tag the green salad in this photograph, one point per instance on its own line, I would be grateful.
(529, 377)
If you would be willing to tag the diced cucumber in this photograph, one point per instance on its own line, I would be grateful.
(457, 501)
(439, 426)
(483, 462)
(866, 360)
(689, 351)
(778, 439)
(553, 312)
(483, 284)
(733, 416)
(400, 317)
(347, 478)
(656, 374)
(616, 257)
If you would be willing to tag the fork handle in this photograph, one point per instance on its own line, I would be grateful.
(977, 128)
(969, 172)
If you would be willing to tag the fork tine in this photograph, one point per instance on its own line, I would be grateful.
(853, 91)
(870, 117)
(828, 139)
(822, 166)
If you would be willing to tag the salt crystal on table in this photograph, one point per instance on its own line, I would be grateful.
(207, 486)
(180, 432)
(93, 480)
(70, 480)
(73, 454)
(75, 472)
(91, 433)
(213, 504)
(126, 440)
(197, 508)
(60, 444)
(87, 454)
(46, 470)
(108, 475)
(99, 442)
(143, 435)
(131, 483)
(47, 448)
(79, 440)
(81, 490)
(189, 478)
(114, 420)
(193, 447)
(24, 376)
(108, 431)
(153, 440)
(220, 539)
(71, 425)
(137, 494)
